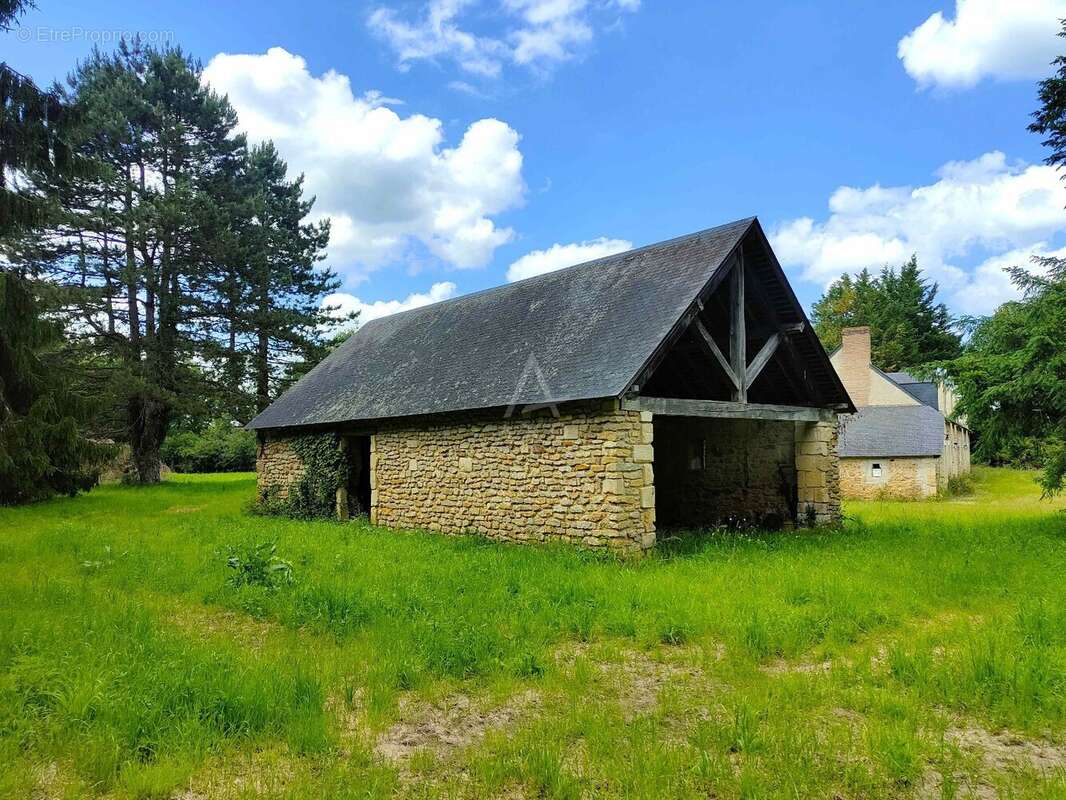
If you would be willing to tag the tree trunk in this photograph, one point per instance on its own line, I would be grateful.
(262, 370)
(262, 354)
(147, 426)
(132, 310)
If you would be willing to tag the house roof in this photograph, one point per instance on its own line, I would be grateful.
(923, 391)
(891, 432)
(578, 333)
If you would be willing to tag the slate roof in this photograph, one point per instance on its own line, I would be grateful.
(922, 391)
(891, 432)
(587, 331)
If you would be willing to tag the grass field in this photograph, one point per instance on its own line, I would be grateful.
(919, 652)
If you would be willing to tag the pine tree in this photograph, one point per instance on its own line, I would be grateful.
(268, 284)
(283, 278)
(1050, 119)
(132, 229)
(193, 277)
(908, 327)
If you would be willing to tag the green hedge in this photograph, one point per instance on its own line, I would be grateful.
(220, 447)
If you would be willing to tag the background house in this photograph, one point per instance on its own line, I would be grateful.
(901, 442)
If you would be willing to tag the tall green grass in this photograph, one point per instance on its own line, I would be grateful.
(130, 662)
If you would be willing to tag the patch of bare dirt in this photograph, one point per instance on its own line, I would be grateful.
(207, 622)
(261, 772)
(848, 714)
(785, 667)
(643, 679)
(931, 787)
(999, 752)
(638, 679)
(49, 784)
(184, 509)
(1004, 750)
(453, 723)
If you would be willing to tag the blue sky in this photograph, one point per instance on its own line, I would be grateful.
(460, 143)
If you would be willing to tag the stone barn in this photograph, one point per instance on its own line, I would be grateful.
(677, 385)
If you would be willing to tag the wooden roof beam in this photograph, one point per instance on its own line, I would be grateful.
(703, 336)
(738, 335)
(719, 409)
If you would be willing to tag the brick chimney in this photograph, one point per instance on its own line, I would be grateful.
(853, 363)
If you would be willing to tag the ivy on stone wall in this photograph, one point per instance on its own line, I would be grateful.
(314, 494)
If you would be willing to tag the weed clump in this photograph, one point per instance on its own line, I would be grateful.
(258, 565)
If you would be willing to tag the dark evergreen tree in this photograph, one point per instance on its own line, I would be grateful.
(908, 327)
(132, 229)
(268, 289)
(43, 446)
(1050, 119)
(1012, 377)
(192, 278)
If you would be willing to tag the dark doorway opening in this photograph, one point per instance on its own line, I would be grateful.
(737, 473)
(358, 475)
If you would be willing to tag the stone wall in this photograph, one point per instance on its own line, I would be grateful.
(714, 471)
(955, 457)
(585, 477)
(817, 472)
(900, 479)
(277, 466)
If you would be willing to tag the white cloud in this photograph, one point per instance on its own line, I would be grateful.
(437, 34)
(347, 303)
(1006, 39)
(982, 208)
(534, 33)
(385, 181)
(990, 283)
(558, 256)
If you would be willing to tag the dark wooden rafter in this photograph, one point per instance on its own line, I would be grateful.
(762, 358)
(738, 332)
(793, 363)
(683, 324)
(703, 336)
(776, 321)
(736, 368)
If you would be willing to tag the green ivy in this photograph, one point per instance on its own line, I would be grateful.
(314, 494)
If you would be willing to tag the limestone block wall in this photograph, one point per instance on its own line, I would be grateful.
(585, 477)
(955, 457)
(900, 478)
(277, 466)
(817, 472)
(713, 471)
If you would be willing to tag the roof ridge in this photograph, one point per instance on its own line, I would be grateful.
(544, 275)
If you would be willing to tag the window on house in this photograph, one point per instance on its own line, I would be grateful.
(875, 470)
(697, 455)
